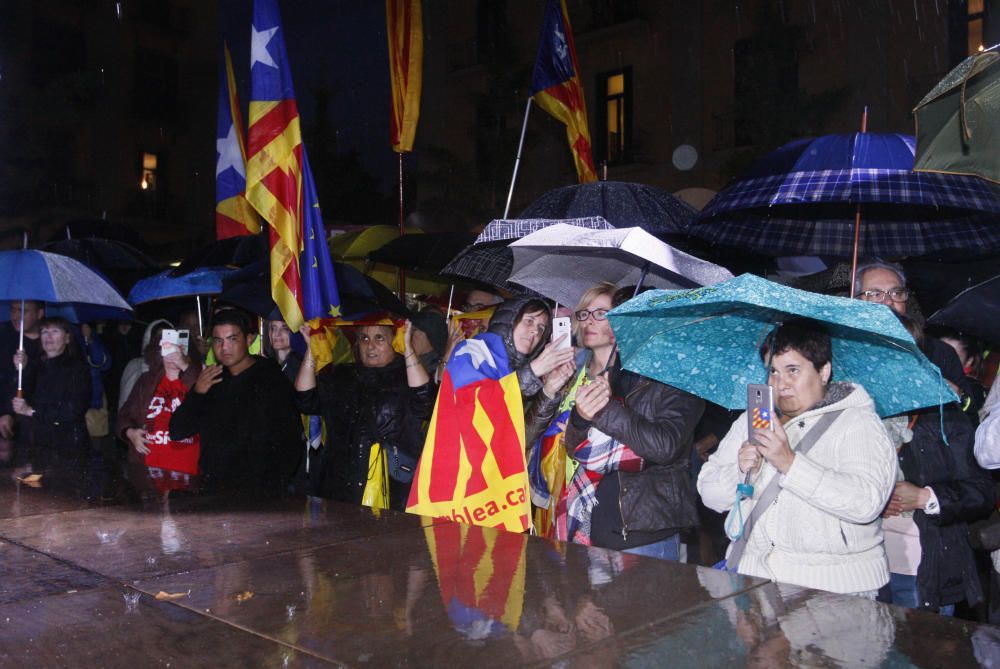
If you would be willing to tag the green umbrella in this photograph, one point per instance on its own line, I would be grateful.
(958, 122)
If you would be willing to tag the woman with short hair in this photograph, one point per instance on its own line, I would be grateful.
(823, 530)
(57, 394)
(383, 398)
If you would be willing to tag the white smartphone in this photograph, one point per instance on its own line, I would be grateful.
(760, 408)
(560, 327)
(174, 340)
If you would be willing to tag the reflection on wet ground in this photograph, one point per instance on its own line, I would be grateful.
(182, 579)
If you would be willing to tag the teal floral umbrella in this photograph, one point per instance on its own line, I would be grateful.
(706, 341)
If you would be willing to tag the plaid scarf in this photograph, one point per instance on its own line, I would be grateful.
(598, 455)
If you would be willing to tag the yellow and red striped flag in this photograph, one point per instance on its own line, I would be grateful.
(280, 184)
(233, 214)
(472, 468)
(556, 87)
(480, 575)
(405, 32)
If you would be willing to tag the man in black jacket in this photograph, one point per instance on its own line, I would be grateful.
(244, 410)
(943, 487)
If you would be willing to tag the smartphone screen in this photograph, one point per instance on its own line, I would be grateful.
(560, 327)
(760, 408)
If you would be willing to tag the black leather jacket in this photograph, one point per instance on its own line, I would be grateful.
(656, 421)
(947, 571)
(362, 406)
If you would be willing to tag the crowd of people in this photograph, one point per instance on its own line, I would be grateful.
(844, 500)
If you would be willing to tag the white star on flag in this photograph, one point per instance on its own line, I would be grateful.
(228, 148)
(478, 351)
(258, 46)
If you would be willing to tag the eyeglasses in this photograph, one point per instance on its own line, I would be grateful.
(896, 295)
(598, 314)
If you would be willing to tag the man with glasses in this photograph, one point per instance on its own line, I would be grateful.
(885, 283)
(931, 563)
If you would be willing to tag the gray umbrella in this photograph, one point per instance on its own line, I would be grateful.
(488, 259)
(562, 261)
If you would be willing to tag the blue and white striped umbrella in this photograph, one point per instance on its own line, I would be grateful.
(28, 274)
(802, 198)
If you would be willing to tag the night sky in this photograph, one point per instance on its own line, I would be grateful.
(337, 43)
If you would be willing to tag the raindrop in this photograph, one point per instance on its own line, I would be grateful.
(131, 598)
(118, 11)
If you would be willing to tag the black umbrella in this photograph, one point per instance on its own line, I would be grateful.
(101, 229)
(239, 251)
(622, 204)
(974, 311)
(428, 252)
(104, 254)
(250, 289)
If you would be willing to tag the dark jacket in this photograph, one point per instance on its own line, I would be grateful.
(970, 393)
(656, 421)
(58, 389)
(249, 426)
(947, 571)
(362, 406)
(9, 338)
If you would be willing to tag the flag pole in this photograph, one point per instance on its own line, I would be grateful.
(517, 161)
(857, 218)
(20, 339)
(402, 272)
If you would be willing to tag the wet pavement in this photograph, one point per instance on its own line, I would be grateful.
(316, 583)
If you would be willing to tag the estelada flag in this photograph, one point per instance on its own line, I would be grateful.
(280, 184)
(233, 214)
(480, 574)
(472, 469)
(556, 88)
(405, 32)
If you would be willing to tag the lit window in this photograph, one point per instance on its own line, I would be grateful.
(614, 116)
(148, 181)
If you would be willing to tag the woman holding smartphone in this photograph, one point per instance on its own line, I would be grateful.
(822, 530)
(144, 420)
(632, 437)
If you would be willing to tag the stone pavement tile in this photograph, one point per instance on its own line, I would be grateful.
(126, 542)
(18, 500)
(105, 628)
(450, 595)
(28, 574)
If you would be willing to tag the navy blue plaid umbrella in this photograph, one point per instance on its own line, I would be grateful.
(802, 198)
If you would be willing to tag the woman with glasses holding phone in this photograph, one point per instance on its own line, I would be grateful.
(632, 438)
